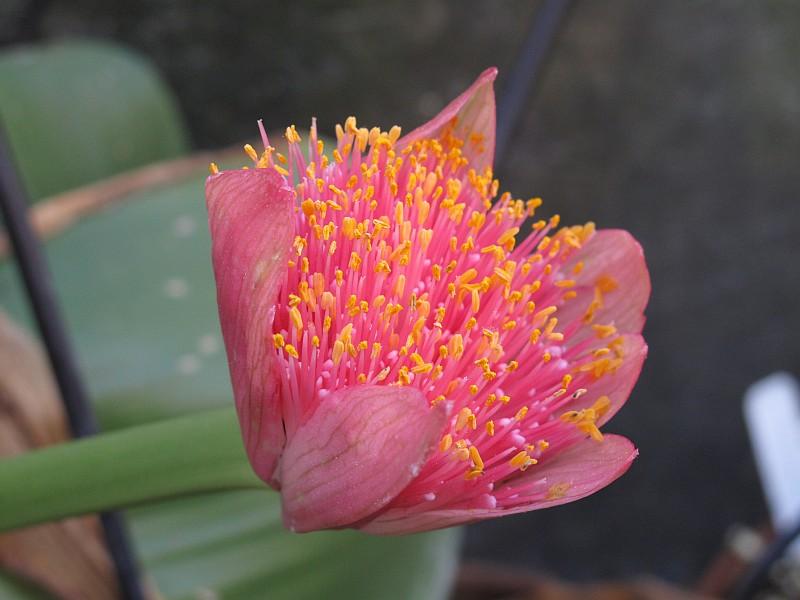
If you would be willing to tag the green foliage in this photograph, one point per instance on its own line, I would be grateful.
(242, 552)
(77, 112)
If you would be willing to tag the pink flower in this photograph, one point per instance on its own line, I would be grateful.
(400, 360)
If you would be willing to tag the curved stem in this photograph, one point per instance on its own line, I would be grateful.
(198, 453)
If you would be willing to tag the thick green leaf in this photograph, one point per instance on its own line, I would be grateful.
(243, 552)
(77, 112)
(137, 289)
(194, 454)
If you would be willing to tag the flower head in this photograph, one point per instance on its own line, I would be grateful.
(407, 351)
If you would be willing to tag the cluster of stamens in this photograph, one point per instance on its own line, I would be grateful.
(407, 269)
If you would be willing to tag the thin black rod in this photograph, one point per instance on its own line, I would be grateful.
(526, 70)
(758, 576)
(42, 298)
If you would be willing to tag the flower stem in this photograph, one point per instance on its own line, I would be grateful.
(198, 453)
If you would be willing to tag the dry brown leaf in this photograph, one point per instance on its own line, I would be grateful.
(68, 558)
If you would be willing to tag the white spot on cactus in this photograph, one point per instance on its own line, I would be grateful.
(208, 344)
(184, 226)
(205, 594)
(176, 288)
(188, 364)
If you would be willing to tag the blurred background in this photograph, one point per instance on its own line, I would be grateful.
(678, 121)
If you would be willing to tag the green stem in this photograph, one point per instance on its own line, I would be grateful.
(197, 453)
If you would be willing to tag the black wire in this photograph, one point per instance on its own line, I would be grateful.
(758, 576)
(526, 70)
(42, 298)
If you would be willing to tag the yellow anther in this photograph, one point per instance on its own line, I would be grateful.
(476, 300)
(278, 341)
(422, 368)
(400, 285)
(213, 168)
(294, 300)
(446, 442)
(604, 331)
(544, 314)
(461, 453)
(565, 283)
(522, 460)
(521, 413)
(383, 374)
(291, 351)
(606, 283)
(465, 418)
(296, 319)
(551, 325)
(251, 152)
(473, 474)
(546, 357)
(557, 491)
(566, 380)
(456, 346)
(577, 268)
(490, 428)
(505, 399)
(438, 400)
(476, 458)
(315, 341)
(337, 352)
(507, 238)
(532, 204)
(513, 365)
(601, 405)
(403, 376)
(291, 135)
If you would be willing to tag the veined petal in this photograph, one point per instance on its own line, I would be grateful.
(360, 448)
(614, 271)
(474, 111)
(572, 474)
(250, 215)
(616, 385)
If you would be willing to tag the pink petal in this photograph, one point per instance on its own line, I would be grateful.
(616, 254)
(251, 221)
(574, 473)
(355, 454)
(617, 385)
(475, 109)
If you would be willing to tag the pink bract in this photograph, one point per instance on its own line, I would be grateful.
(406, 352)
